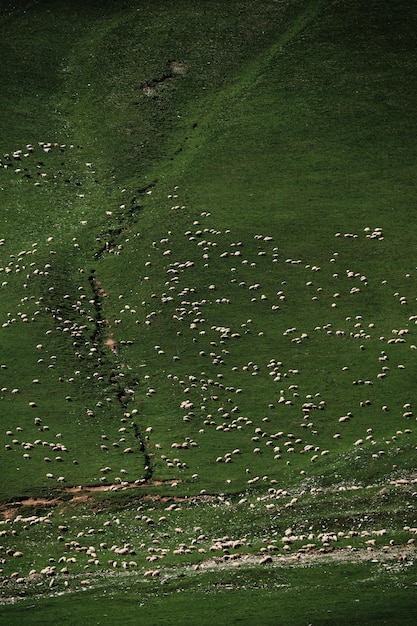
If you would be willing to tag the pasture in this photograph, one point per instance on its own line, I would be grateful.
(208, 310)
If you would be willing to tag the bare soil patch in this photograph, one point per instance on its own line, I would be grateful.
(10, 510)
(110, 342)
(178, 67)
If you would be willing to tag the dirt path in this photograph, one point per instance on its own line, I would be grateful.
(398, 553)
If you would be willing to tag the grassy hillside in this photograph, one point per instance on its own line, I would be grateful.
(207, 286)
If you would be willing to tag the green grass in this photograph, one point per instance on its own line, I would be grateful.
(344, 595)
(188, 168)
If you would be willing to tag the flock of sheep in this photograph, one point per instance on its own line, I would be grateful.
(160, 534)
(222, 369)
(190, 310)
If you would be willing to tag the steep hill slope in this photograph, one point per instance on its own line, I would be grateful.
(208, 282)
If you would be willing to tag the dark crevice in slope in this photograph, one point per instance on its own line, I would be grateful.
(124, 220)
(155, 85)
(150, 87)
(99, 322)
(148, 476)
(120, 384)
